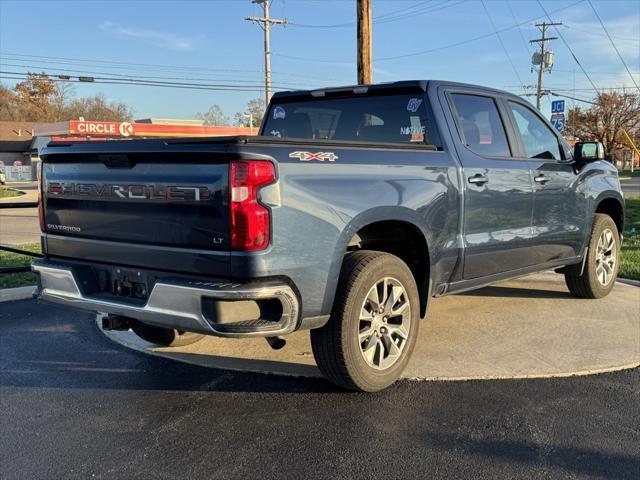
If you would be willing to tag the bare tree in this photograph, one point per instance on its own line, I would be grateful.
(40, 99)
(214, 116)
(97, 108)
(255, 110)
(606, 120)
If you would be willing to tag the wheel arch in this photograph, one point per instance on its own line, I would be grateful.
(614, 207)
(371, 229)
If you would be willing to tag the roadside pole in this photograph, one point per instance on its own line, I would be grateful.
(265, 23)
(633, 145)
(542, 61)
(364, 42)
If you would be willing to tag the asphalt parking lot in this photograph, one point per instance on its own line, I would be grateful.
(76, 405)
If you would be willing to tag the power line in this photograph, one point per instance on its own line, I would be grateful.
(613, 44)
(566, 44)
(431, 50)
(145, 77)
(125, 81)
(524, 40)
(138, 66)
(415, 10)
(142, 77)
(588, 32)
(493, 25)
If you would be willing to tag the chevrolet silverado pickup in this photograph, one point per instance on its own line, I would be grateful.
(350, 210)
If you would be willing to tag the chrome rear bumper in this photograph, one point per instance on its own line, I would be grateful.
(176, 305)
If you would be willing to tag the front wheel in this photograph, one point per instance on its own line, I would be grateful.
(373, 327)
(603, 260)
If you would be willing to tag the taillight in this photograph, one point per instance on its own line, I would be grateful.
(250, 220)
(40, 196)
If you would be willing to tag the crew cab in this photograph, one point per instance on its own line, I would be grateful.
(350, 210)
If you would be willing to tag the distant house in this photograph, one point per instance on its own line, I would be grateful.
(16, 145)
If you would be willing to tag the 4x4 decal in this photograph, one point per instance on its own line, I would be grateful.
(308, 156)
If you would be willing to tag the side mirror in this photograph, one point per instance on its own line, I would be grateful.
(585, 152)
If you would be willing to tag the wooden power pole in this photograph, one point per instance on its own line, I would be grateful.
(543, 61)
(265, 23)
(364, 42)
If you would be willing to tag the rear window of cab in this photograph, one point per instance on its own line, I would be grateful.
(402, 119)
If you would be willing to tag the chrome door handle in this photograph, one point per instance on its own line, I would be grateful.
(541, 179)
(478, 179)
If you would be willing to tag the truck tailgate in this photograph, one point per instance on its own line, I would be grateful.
(152, 198)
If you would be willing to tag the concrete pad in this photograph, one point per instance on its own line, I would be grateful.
(18, 293)
(525, 328)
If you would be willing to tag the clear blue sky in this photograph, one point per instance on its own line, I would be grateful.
(210, 40)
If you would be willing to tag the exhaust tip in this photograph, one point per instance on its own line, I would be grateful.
(276, 342)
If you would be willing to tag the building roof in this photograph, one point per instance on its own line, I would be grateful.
(16, 136)
(16, 131)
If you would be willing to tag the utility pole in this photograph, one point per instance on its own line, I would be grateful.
(265, 23)
(364, 42)
(544, 59)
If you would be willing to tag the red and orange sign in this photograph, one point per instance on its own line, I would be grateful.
(82, 130)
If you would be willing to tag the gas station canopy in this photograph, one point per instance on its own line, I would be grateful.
(89, 130)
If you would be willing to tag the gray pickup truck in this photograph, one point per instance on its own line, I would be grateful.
(352, 208)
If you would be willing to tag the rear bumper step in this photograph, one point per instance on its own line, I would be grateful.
(202, 307)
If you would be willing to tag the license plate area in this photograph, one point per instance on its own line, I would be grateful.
(125, 282)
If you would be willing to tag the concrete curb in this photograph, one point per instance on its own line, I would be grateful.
(18, 293)
(18, 204)
(628, 281)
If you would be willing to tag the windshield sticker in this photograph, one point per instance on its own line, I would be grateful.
(276, 133)
(308, 156)
(279, 112)
(412, 130)
(414, 104)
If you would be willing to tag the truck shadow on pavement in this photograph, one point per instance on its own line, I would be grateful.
(503, 291)
(46, 346)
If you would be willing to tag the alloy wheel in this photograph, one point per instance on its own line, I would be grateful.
(385, 320)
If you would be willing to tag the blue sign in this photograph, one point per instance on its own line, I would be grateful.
(558, 121)
(557, 106)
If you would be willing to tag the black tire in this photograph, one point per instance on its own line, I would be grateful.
(165, 337)
(588, 285)
(336, 346)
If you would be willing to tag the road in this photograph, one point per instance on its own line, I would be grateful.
(631, 187)
(75, 405)
(19, 226)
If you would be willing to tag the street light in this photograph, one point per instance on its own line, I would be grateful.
(250, 115)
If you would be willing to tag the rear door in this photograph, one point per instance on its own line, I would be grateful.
(498, 195)
(559, 207)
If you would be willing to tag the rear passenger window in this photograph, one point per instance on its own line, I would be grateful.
(482, 128)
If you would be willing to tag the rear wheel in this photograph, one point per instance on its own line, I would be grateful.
(601, 267)
(373, 327)
(165, 337)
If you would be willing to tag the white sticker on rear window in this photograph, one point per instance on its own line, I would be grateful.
(279, 112)
(414, 104)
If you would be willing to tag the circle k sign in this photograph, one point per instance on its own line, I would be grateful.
(125, 129)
